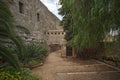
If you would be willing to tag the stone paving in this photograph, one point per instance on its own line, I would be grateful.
(58, 68)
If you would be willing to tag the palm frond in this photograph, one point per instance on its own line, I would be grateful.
(8, 35)
(23, 29)
(8, 56)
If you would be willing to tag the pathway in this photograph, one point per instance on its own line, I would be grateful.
(57, 68)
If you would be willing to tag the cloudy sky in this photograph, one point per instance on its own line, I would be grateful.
(53, 6)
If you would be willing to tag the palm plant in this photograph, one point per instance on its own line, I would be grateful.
(8, 36)
(33, 51)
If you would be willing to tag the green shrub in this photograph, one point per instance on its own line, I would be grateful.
(12, 74)
(7, 76)
(26, 75)
(33, 52)
(33, 62)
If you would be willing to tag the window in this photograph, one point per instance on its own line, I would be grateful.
(59, 33)
(38, 17)
(21, 7)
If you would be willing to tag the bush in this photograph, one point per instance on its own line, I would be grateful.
(33, 53)
(7, 76)
(26, 75)
(33, 62)
(12, 74)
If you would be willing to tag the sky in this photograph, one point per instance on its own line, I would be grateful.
(53, 6)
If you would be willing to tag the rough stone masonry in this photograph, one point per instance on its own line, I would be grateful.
(33, 15)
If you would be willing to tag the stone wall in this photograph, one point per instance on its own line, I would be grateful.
(55, 37)
(34, 16)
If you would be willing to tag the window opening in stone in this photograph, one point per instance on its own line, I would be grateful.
(59, 33)
(21, 7)
(48, 33)
(38, 17)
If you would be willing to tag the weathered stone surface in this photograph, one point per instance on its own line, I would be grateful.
(27, 12)
(55, 37)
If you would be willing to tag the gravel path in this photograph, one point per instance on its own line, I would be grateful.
(58, 68)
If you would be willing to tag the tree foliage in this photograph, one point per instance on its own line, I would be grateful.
(87, 22)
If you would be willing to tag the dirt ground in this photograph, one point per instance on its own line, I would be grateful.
(58, 68)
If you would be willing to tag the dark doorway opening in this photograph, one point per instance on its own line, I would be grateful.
(69, 51)
(54, 47)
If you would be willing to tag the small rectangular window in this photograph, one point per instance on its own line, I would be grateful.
(38, 17)
(21, 7)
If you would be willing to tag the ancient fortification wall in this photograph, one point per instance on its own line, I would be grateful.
(33, 15)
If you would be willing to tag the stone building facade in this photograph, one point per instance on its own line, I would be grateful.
(55, 37)
(43, 25)
(33, 15)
